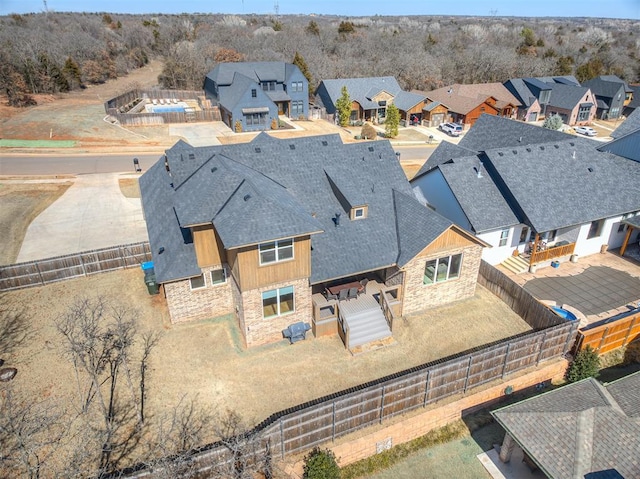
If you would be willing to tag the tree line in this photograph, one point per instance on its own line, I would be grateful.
(57, 52)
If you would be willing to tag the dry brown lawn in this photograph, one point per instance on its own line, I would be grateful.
(21, 203)
(129, 187)
(205, 359)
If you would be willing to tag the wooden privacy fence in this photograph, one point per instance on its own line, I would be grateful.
(50, 270)
(325, 419)
(613, 334)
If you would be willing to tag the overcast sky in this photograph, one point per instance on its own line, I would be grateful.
(537, 8)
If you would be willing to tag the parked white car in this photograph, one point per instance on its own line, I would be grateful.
(453, 129)
(585, 130)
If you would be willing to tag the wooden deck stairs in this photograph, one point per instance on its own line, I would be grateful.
(366, 322)
(516, 264)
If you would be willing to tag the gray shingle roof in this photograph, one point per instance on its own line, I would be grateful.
(626, 392)
(223, 73)
(521, 91)
(230, 96)
(405, 100)
(361, 89)
(289, 192)
(632, 123)
(444, 152)
(566, 96)
(561, 184)
(606, 86)
(478, 196)
(416, 225)
(491, 131)
(562, 80)
(576, 430)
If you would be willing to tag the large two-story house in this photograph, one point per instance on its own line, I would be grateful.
(612, 95)
(281, 231)
(251, 95)
(540, 193)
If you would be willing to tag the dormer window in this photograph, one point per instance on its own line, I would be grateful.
(276, 251)
(359, 212)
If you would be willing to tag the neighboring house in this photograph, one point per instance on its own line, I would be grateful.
(369, 96)
(467, 102)
(576, 105)
(434, 113)
(261, 231)
(631, 124)
(544, 96)
(532, 95)
(531, 189)
(634, 104)
(251, 95)
(612, 95)
(581, 430)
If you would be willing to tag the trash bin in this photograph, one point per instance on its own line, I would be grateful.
(152, 286)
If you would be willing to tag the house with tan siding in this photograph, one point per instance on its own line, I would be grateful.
(278, 232)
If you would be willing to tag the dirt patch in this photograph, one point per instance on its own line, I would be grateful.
(411, 167)
(21, 203)
(129, 187)
(204, 358)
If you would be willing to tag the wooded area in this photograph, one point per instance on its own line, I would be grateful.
(57, 52)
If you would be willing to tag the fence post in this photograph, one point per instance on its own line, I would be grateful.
(466, 380)
(506, 360)
(84, 269)
(333, 421)
(544, 337)
(382, 405)
(35, 263)
(604, 336)
(426, 388)
(281, 439)
(631, 326)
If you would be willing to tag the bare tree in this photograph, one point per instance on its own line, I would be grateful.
(100, 340)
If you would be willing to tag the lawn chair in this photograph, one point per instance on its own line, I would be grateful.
(352, 293)
(363, 286)
(342, 295)
(329, 295)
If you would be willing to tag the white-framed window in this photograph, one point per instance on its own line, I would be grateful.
(255, 118)
(358, 213)
(197, 282)
(583, 113)
(296, 86)
(218, 276)
(549, 236)
(276, 251)
(297, 107)
(595, 229)
(504, 237)
(277, 302)
(442, 269)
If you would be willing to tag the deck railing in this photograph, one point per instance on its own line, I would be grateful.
(552, 252)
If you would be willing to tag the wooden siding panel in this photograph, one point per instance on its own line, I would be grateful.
(445, 242)
(209, 248)
(250, 275)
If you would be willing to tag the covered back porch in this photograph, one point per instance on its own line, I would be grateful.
(361, 309)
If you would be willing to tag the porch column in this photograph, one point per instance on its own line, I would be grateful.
(626, 240)
(508, 444)
(534, 249)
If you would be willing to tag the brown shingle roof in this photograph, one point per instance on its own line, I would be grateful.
(464, 98)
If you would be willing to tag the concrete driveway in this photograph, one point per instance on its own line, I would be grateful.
(200, 134)
(93, 213)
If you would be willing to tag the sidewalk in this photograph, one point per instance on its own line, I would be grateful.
(93, 213)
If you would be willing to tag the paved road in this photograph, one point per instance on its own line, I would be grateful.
(84, 164)
(72, 164)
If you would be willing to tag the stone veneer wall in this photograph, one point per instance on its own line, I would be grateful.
(209, 302)
(258, 330)
(419, 296)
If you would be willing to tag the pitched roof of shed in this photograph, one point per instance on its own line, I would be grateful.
(578, 429)
(290, 193)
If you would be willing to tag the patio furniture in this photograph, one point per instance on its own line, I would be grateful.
(339, 287)
(352, 293)
(342, 295)
(363, 284)
(329, 295)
